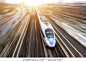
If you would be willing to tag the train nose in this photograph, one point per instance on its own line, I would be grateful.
(51, 40)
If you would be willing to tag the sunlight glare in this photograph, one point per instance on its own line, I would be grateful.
(35, 2)
(13, 1)
(32, 2)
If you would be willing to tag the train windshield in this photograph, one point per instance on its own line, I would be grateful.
(49, 33)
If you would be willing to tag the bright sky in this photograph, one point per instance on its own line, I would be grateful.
(42, 1)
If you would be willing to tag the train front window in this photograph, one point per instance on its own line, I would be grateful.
(49, 33)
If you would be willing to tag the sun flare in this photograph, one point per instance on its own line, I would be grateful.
(32, 2)
(35, 2)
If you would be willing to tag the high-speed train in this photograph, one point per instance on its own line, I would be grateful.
(46, 30)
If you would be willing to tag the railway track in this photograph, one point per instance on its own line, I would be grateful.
(11, 45)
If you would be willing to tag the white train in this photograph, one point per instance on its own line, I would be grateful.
(46, 30)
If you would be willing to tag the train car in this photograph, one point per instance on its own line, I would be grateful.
(47, 31)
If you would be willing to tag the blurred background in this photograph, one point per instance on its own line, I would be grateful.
(43, 28)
